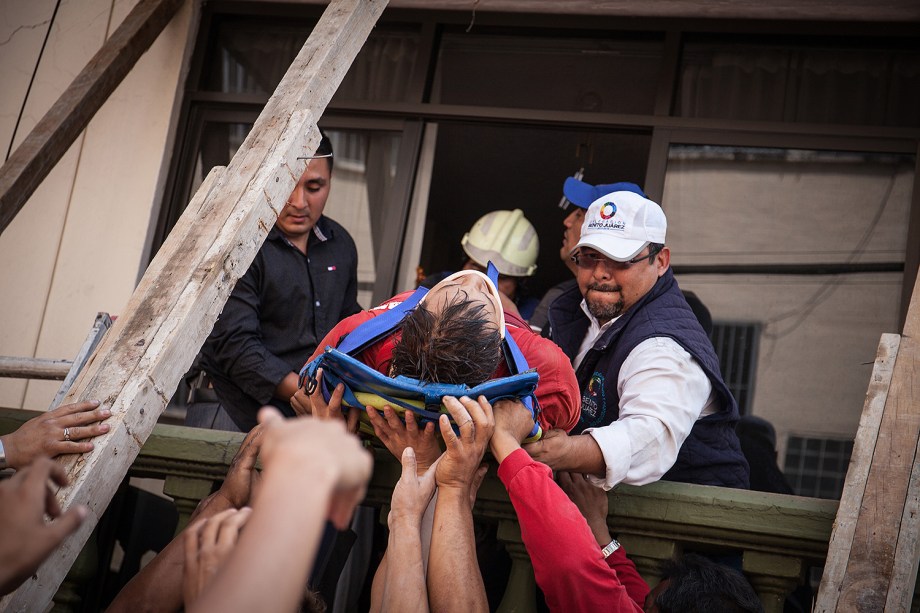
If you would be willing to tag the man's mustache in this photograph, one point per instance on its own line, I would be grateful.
(600, 287)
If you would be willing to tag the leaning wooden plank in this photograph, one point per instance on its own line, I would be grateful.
(168, 352)
(858, 473)
(52, 136)
(871, 567)
(139, 364)
(309, 83)
(907, 553)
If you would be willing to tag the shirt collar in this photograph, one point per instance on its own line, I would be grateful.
(321, 231)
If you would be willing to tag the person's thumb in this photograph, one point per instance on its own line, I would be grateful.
(408, 462)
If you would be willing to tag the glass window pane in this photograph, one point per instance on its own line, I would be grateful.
(799, 83)
(252, 56)
(572, 74)
(362, 178)
(824, 472)
(745, 205)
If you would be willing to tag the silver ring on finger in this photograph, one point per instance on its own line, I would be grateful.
(66, 434)
(467, 422)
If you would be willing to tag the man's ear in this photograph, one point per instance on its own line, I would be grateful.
(663, 260)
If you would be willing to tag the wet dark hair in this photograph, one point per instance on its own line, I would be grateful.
(699, 585)
(460, 345)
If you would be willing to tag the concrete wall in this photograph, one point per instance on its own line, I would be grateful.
(78, 245)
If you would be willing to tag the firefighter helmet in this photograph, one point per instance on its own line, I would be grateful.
(506, 239)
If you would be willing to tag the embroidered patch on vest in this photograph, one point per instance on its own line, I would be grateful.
(593, 402)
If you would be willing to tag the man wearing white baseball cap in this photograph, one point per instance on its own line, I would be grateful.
(653, 404)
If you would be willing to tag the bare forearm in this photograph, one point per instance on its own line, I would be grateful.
(404, 586)
(577, 454)
(157, 588)
(270, 566)
(452, 561)
(287, 387)
(589, 456)
(378, 585)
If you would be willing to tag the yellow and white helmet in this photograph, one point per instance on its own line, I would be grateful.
(506, 239)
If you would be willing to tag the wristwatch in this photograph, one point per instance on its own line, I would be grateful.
(610, 548)
(2, 456)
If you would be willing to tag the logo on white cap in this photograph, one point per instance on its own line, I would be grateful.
(621, 224)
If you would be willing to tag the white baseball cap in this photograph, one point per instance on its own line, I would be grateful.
(621, 224)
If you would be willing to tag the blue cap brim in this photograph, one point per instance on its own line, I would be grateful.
(578, 192)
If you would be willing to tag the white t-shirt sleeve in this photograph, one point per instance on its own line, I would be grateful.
(663, 391)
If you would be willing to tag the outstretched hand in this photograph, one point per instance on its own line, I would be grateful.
(25, 538)
(315, 404)
(412, 493)
(513, 423)
(290, 444)
(242, 477)
(459, 464)
(397, 437)
(551, 449)
(208, 543)
(591, 501)
(66, 429)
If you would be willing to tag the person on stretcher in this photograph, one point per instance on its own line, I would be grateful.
(454, 335)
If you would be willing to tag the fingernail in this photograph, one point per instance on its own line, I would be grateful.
(104, 427)
(106, 412)
(95, 403)
(82, 512)
(410, 452)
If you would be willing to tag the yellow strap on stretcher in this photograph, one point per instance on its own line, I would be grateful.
(378, 402)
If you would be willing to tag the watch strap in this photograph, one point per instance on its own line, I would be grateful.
(612, 546)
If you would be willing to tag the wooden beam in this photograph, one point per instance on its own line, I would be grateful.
(858, 474)
(872, 560)
(899, 11)
(138, 365)
(53, 135)
(33, 368)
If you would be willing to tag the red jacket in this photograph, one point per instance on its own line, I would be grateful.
(567, 561)
(557, 392)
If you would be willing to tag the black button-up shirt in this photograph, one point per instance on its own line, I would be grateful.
(278, 312)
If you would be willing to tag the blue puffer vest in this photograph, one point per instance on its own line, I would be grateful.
(711, 455)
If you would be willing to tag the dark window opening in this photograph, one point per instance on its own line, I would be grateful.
(817, 467)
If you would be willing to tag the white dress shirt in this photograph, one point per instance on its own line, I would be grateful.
(663, 391)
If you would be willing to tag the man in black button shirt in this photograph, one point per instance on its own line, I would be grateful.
(301, 283)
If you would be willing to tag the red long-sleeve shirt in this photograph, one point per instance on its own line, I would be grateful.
(567, 561)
